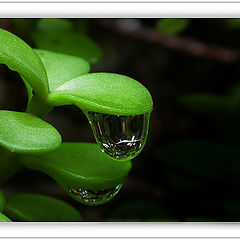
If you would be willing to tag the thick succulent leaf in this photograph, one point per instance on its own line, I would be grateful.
(80, 166)
(205, 160)
(2, 201)
(203, 103)
(107, 93)
(4, 218)
(20, 57)
(172, 26)
(23, 132)
(51, 35)
(29, 207)
(8, 165)
(61, 68)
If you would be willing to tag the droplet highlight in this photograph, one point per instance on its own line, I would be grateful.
(121, 137)
(95, 197)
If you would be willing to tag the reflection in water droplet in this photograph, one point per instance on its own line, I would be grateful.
(91, 196)
(121, 137)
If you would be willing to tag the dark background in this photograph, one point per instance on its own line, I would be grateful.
(189, 169)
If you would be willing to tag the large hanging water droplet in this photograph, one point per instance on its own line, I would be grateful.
(95, 197)
(121, 137)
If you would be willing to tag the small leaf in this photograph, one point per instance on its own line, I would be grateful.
(61, 68)
(23, 132)
(2, 201)
(4, 218)
(29, 207)
(81, 166)
(62, 40)
(20, 57)
(104, 93)
(172, 26)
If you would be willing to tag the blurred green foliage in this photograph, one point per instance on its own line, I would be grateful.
(172, 26)
(29, 207)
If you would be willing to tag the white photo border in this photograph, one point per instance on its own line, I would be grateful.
(119, 9)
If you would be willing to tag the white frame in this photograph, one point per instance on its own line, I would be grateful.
(111, 9)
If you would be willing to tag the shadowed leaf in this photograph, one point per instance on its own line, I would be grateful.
(29, 207)
(80, 166)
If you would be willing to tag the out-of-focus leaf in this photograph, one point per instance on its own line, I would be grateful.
(80, 166)
(29, 207)
(206, 160)
(4, 218)
(23, 132)
(61, 68)
(233, 23)
(141, 211)
(2, 201)
(172, 26)
(20, 57)
(50, 25)
(63, 40)
(208, 104)
(107, 93)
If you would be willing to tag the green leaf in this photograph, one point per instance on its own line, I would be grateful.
(23, 132)
(204, 103)
(80, 166)
(49, 25)
(172, 26)
(205, 160)
(61, 68)
(8, 165)
(20, 57)
(107, 93)
(29, 207)
(4, 218)
(233, 23)
(2, 201)
(57, 37)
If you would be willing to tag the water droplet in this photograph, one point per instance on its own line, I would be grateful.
(121, 137)
(95, 197)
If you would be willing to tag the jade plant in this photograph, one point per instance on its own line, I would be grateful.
(117, 107)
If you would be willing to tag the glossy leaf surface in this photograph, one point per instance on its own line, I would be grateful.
(2, 201)
(29, 207)
(61, 68)
(79, 165)
(23, 132)
(107, 93)
(4, 218)
(20, 57)
(60, 38)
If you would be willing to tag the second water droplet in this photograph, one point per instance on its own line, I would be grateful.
(92, 197)
(121, 137)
